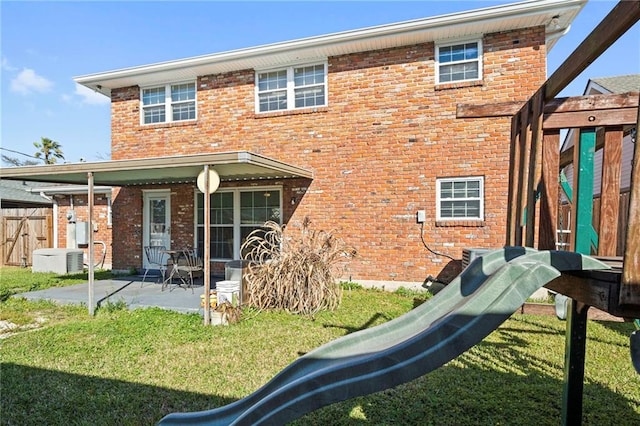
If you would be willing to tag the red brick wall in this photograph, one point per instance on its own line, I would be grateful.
(376, 150)
(100, 222)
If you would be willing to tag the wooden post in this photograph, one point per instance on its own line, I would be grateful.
(549, 197)
(512, 198)
(630, 288)
(581, 221)
(533, 177)
(610, 192)
(524, 143)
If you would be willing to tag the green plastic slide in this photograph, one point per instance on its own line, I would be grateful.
(467, 310)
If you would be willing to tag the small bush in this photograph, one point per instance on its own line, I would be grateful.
(350, 285)
(119, 305)
(295, 274)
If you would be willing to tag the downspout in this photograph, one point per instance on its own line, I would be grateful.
(55, 217)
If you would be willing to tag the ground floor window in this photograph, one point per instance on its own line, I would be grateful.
(235, 213)
(460, 198)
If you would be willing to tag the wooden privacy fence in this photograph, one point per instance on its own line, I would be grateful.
(23, 231)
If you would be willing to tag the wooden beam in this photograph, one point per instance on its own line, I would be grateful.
(605, 117)
(622, 17)
(610, 192)
(498, 109)
(592, 102)
(549, 191)
(557, 105)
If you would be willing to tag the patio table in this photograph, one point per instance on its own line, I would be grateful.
(174, 255)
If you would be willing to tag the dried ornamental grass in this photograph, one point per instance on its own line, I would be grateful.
(295, 274)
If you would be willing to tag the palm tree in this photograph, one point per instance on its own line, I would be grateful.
(48, 150)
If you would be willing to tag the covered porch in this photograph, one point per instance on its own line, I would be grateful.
(237, 169)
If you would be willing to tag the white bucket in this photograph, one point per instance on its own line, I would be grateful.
(228, 291)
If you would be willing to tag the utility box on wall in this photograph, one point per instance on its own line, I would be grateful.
(82, 233)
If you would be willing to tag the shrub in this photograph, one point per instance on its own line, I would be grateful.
(295, 274)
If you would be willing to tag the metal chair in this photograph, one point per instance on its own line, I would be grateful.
(189, 266)
(155, 257)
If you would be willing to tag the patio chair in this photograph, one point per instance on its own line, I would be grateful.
(155, 257)
(190, 266)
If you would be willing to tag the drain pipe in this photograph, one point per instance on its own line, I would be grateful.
(55, 217)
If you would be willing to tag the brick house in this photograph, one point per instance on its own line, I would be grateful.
(369, 115)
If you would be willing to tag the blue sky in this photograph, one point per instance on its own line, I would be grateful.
(45, 44)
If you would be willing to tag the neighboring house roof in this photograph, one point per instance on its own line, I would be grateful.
(618, 84)
(17, 193)
(606, 86)
(555, 15)
(22, 193)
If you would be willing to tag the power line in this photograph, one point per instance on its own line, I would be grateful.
(21, 153)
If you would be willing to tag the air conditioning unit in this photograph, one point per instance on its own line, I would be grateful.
(58, 260)
(470, 254)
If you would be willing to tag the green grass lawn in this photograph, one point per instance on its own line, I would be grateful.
(133, 367)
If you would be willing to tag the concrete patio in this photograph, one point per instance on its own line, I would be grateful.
(129, 290)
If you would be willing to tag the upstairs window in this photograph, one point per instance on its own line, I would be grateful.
(291, 88)
(460, 198)
(169, 103)
(459, 62)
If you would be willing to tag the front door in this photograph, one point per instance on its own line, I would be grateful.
(156, 220)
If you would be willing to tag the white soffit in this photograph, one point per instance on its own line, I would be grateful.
(555, 15)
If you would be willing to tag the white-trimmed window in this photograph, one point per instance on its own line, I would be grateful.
(234, 214)
(460, 198)
(295, 87)
(169, 103)
(461, 61)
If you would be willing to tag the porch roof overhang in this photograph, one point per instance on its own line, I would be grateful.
(230, 166)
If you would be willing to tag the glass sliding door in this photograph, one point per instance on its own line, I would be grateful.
(234, 215)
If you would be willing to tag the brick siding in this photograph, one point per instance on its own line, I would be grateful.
(102, 230)
(376, 151)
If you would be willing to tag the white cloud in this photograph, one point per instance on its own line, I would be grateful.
(6, 66)
(28, 81)
(90, 97)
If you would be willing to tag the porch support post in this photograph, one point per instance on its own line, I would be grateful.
(90, 255)
(206, 254)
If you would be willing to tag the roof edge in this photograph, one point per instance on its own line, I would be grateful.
(457, 18)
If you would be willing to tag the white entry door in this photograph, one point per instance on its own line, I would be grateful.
(156, 220)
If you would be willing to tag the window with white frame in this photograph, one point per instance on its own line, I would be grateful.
(460, 61)
(460, 198)
(234, 214)
(169, 103)
(291, 88)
